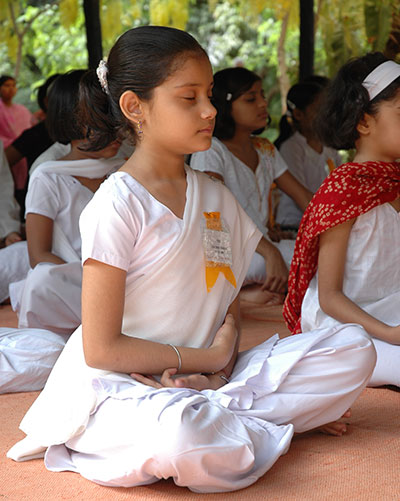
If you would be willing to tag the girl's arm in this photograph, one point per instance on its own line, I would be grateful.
(39, 234)
(295, 190)
(331, 263)
(200, 381)
(275, 267)
(103, 296)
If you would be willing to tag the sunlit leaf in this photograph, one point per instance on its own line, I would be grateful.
(68, 12)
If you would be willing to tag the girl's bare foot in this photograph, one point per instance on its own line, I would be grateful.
(336, 428)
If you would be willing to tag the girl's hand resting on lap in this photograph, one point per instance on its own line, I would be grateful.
(221, 350)
(195, 381)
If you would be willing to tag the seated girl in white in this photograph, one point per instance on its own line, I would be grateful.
(346, 265)
(306, 157)
(58, 191)
(165, 251)
(249, 165)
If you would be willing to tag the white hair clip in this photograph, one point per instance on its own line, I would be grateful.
(228, 96)
(380, 78)
(101, 72)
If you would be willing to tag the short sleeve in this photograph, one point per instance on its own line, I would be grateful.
(293, 155)
(108, 227)
(280, 165)
(40, 198)
(211, 160)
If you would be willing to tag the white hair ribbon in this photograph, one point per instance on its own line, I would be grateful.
(101, 72)
(382, 76)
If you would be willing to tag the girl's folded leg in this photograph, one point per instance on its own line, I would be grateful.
(324, 382)
(51, 298)
(387, 369)
(197, 442)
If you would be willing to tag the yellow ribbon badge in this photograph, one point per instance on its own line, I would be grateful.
(217, 249)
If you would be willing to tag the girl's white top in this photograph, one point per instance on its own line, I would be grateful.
(309, 167)
(372, 271)
(55, 193)
(251, 189)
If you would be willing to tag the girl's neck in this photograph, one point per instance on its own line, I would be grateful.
(148, 163)
(163, 176)
(7, 102)
(240, 141)
(76, 153)
(312, 140)
(367, 152)
(241, 146)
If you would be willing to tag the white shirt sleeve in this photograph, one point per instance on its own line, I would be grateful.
(108, 229)
(42, 196)
(280, 165)
(293, 154)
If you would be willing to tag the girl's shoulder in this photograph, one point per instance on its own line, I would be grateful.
(263, 145)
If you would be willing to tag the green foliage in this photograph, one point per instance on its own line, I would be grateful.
(232, 31)
(48, 48)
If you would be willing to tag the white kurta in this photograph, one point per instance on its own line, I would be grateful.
(251, 189)
(116, 431)
(372, 280)
(309, 167)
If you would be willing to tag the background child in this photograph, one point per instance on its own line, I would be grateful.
(249, 165)
(165, 251)
(49, 298)
(14, 119)
(346, 266)
(306, 157)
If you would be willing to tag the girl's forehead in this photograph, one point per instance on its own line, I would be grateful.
(194, 70)
(257, 85)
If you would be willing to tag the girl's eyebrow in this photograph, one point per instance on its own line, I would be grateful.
(191, 84)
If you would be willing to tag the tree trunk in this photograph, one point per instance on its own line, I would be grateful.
(306, 47)
(284, 83)
(93, 32)
(393, 44)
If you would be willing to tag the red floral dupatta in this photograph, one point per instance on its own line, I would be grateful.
(349, 191)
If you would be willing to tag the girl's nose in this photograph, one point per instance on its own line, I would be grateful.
(209, 112)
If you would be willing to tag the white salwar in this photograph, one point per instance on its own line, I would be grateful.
(251, 189)
(116, 431)
(49, 297)
(371, 280)
(27, 357)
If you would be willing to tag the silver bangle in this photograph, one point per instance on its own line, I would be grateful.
(224, 378)
(178, 354)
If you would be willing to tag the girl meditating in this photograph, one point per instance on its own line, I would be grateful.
(248, 165)
(346, 265)
(151, 386)
(49, 297)
(307, 158)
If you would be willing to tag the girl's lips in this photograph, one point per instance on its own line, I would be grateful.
(207, 130)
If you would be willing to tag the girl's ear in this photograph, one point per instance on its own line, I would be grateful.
(298, 114)
(364, 125)
(130, 105)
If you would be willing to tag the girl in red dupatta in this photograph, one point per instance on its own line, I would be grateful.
(345, 263)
